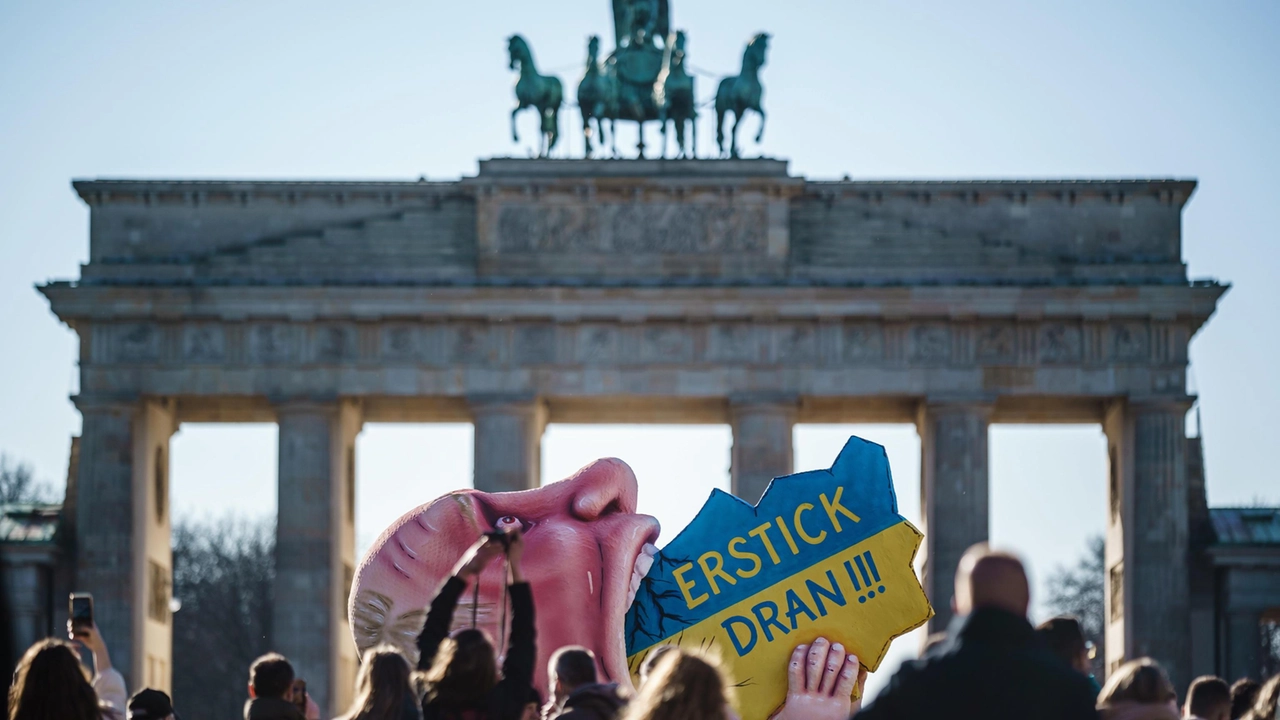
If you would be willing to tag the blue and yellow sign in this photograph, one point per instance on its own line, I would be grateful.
(824, 553)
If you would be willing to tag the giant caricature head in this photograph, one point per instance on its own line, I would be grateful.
(586, 551)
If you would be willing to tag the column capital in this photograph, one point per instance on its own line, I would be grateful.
(312, 405)
(783, 401)
(101, 402)
(1159, 404)
(966, 403)
(507, 403)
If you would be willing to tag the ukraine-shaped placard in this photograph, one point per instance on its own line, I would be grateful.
(823, 554)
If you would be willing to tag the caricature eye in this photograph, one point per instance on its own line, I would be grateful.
(507, 522)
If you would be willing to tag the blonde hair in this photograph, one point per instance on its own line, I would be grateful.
(1140, 681)
(681, 686)
(1267, 704)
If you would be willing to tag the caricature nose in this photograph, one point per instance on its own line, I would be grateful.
(602, 488)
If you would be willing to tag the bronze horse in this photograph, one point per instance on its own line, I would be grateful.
(541, 92)
(597, 100)
(673, 93)
(741, 93)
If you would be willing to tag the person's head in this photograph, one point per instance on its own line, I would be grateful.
(381, 684)
(1140, 681)
(1208, 697)
(1243, 692)
(991, 579)
(1065, 638)
(50, 682)
(1264, 705)
(532, 706)
(651, 661)
(271, 676)
(571, 668)
(464, 671)
(681, 686)
(150, 704)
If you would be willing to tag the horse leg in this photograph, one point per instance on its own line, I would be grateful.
(693, 135)
(733, 141)
(760, 134)
(514, 137)
(720, 130)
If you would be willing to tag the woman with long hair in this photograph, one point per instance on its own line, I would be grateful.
(1139, 690)
(462, 681)
(681, 686)
(50, 682)
(1267, 704)
(384, 689)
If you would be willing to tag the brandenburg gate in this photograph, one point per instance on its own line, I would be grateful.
(624, 291)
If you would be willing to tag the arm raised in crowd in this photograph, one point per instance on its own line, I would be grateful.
(440, 615)
(521, 648)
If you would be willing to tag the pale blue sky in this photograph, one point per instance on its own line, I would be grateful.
(870, 89)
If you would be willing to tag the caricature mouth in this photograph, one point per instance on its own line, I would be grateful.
(623, 578)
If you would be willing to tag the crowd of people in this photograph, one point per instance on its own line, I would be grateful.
(990, 663)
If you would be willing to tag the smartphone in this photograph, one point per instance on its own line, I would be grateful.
(81, 610)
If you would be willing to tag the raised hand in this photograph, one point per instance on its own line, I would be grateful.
(477, 556)
(821, 679)
(515, 553)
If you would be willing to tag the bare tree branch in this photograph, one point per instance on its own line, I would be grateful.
(1079, 591)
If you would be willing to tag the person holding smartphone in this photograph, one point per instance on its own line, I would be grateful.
(462, 674)
(107, 681)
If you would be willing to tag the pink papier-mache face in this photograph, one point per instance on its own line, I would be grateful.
(586, 550)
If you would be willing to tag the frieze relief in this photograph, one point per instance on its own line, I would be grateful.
(675, 228)
(137, 342)
(930, 343)
(802, 343)
(996, 343)
(796, 344)
(734, 343)
(534, 345)
(204, 344)
(334, 344)
(667, 344)
(863, 343)
(1129, 341)
(1059, 343)
(272, 343)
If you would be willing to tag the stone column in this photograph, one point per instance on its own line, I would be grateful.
(508, 441)
(315, 547)
(954, 495)
(1147, 558)
(123, 554)
(762, 447)
(1242, 643)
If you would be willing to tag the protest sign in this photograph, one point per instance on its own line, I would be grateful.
(823, 554)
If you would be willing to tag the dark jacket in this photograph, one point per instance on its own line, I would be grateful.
(507, 699)
(592, 702)
(991, 666)
(270, 708)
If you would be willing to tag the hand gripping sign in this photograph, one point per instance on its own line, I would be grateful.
(824, 553)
